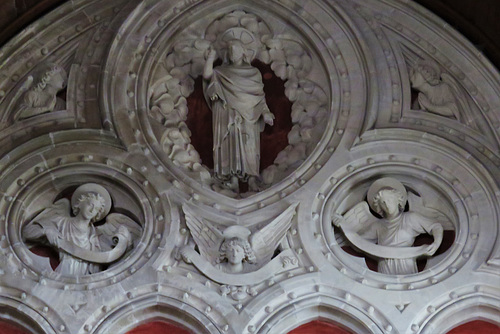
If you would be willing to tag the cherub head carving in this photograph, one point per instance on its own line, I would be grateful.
(387, 197)
(236, 248)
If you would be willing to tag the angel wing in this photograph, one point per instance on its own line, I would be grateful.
(47, 219)
(17, 99)
(265, 241)
(205, 235)
(461, 100)
(417, 205)
(359, 219)
(107, 231)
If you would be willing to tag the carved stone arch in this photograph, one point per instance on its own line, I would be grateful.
(28, 312)
(320, 307)
(478, 307)
(154, 308)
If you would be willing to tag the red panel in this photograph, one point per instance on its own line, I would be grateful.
(8, 328)
(158, 327)
(319, 327)
(476, 327)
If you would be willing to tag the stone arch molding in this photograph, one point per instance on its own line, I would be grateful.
(351, 70)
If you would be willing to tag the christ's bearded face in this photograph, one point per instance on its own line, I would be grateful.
(236, 51)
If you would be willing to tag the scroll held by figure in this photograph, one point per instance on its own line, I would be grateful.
(83, 247)
(236, 249)
(235, 94)
(389, 239)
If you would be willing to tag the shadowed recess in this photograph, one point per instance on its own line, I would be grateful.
(159, 327)
(319, 327)
(476, 327)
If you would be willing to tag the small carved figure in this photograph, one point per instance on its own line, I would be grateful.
(236, 249)
(438, 92)
(235, 94)
(394, 234)
(41, 96)
(83, 246)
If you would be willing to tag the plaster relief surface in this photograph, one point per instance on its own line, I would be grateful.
(379, 212)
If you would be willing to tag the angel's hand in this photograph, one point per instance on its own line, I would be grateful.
(268, 118)
(53, 236)
(424, 101)
(211, 54)
(337, 219)
(431, 249)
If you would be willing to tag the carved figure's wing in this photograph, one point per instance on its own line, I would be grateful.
(417, 205)
(463, 113)
(265, 241)
(205, 235)
(358, 219)
(15, 101)
(48, 218)
(107, 231)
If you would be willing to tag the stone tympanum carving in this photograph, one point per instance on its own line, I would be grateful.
(40, 96)
(82, 246)
(235, 93)
(438, 92)
(236, 250)
(389, 239)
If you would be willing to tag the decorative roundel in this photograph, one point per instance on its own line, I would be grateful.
(157, 97)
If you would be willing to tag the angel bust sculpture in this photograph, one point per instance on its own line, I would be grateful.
(439, 93)
(42, 89)
(83, 247)
(235, 94)
(389, 239)
(236, 249)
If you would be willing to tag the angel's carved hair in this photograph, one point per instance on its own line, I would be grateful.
(247, 248)
(47, 75)
(101, 202)
(376, 200)
(429, 71)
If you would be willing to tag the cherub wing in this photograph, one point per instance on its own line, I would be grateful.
(107, 231)
(205, 235)
(359, 219)
(463, 114)
(48, 218)
(265, 241)
(25, 86)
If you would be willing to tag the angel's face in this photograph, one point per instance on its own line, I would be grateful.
(90, 208)
(389, 203)
(58, 81)
(416, 78)
(235, 254)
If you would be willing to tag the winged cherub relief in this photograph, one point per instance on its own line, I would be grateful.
(389, 239)
(41, 96)
(438, 93)
(237, 250)
(82, 246)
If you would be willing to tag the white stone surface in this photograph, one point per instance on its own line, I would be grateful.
(346, 66)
